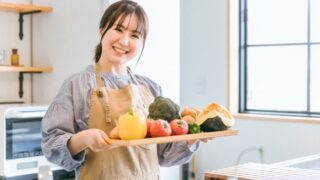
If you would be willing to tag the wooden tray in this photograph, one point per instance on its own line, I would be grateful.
(159, 140)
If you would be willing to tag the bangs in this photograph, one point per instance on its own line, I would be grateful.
(142, 23)
(142, 26)
(119, 11)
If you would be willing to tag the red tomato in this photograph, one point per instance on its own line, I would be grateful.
(160, 128)
(149, 122)
(179, 127)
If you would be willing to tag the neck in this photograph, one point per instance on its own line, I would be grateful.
(106, 66)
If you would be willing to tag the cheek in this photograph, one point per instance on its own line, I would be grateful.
(137, 47)
(105, 44)
(107, 39)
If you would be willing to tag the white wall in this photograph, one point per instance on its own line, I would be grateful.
(161, 58)
(203, 52)
(64, 39)
(204, 79)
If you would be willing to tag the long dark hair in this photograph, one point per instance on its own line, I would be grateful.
(122, 9)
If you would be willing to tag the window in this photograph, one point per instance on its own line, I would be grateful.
(279, 57)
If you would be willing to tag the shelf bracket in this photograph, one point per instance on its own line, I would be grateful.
(21, 82)
(21, 21)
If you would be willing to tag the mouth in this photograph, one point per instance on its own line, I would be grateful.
(120, 50)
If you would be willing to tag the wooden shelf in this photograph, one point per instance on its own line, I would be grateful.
(25, 69)
(23, 8)
(22, 70)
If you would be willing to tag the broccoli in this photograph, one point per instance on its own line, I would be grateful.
(164, 108)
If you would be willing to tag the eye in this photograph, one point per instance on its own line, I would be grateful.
(118, 28)
(136, 36)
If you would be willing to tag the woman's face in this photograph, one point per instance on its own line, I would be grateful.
(122, 42)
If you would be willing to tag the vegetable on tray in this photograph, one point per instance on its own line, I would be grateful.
(164, 108)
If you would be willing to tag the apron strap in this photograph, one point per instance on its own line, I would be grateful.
(103, 95)
(133, 77)
(98, 77)
(146, 97)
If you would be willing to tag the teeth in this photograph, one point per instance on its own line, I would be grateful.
(120, 50)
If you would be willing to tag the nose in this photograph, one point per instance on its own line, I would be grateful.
(124, 39)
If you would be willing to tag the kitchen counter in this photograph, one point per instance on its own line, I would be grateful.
(306, 162)
(262, 171)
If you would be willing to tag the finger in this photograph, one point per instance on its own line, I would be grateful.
(190, 142)
(105, 138)
(107, 141)
(204, 140)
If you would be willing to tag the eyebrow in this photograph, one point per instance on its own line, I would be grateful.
(134, 31)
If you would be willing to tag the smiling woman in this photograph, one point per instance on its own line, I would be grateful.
(89, 104)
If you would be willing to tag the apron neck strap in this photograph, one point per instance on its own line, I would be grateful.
(99, 80)
(133, 77)
(98, 76)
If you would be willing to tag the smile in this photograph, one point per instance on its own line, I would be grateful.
(120, 50)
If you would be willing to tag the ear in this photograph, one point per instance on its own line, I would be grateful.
(101, 31)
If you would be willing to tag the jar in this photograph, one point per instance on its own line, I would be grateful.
(14, 57)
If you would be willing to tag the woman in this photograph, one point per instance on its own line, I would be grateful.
(88, 104)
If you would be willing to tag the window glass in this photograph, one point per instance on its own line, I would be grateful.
(274, 21)
(277, 78)
(315, 78)
(280, 59)
(315, 20)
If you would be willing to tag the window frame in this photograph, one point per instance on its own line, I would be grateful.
(234, 90)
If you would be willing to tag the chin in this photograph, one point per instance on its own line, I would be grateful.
(118, 62)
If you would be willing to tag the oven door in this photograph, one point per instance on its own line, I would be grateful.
(23, 137)
(23, 145)
(23, 153)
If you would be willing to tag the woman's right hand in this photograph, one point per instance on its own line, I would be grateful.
(95, 139)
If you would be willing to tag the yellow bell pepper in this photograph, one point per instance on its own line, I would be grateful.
(132, 125)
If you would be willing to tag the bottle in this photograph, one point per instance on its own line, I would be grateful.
(14, 57)
(45, 173)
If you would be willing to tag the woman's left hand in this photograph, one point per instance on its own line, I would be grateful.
(205, 140)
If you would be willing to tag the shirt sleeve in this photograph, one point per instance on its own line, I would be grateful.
(177, 153)
(58, 126)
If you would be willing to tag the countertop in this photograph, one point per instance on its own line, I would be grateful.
(262, 171)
